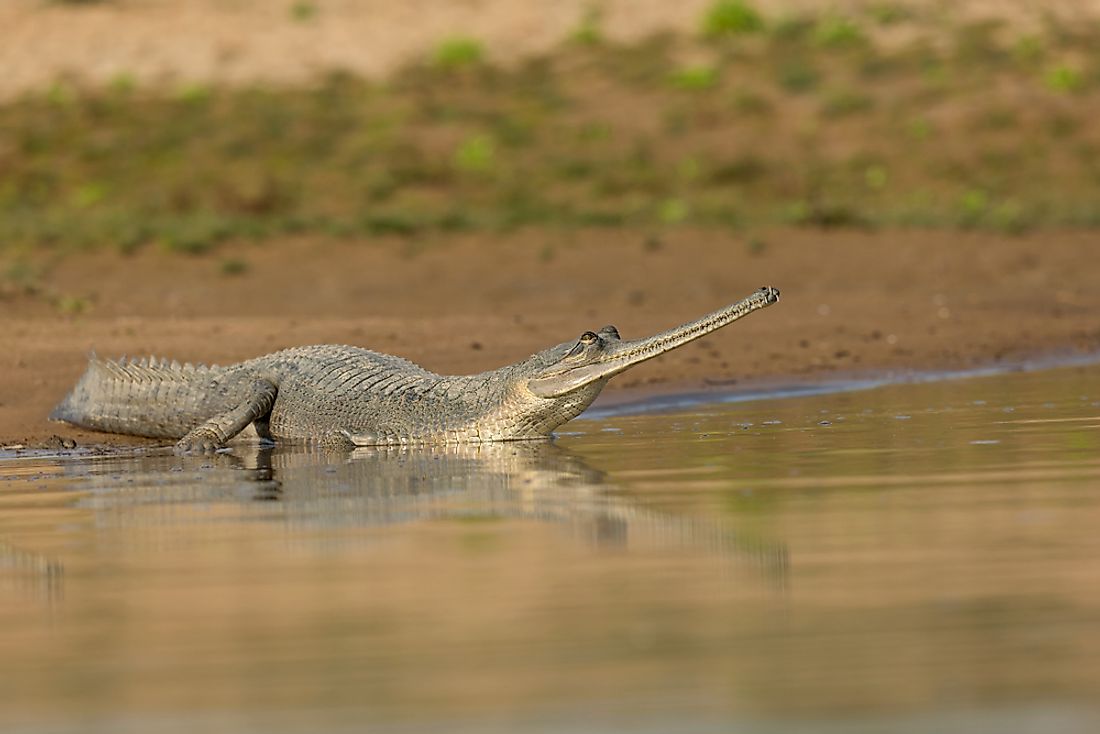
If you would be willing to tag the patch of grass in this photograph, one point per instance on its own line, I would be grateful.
(798, 76)
(60, 94)
(972, 204)
(731, 18)
(890, 13)
(876, 177)
(303, 10)
(839, 32)
(694, 78)
(196, 234)
(232, 266)
(1009, 217)
(475, 155)
(1064, 79)
(673, 211)
(846, 102)
(122, 84)
(391, 224)
(88, 195)
(920, 128)
(689, 169)
(194, 93)
(792, 30)
(977, 208)
(70, 305)
(589, 31)
(458, 53)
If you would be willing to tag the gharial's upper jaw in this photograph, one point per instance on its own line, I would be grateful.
(618, 356)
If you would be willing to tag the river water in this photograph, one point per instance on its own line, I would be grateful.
(911, 558)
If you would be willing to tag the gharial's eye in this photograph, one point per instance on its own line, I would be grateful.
(588, 337)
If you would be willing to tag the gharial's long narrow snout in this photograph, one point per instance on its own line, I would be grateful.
(616, 356)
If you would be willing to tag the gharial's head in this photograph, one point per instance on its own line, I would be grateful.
(569, 376)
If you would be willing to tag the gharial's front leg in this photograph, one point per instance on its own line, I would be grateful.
(216, 432)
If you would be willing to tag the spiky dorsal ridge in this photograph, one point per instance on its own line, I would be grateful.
(150, 369)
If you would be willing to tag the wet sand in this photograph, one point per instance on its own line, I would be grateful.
(853, 302)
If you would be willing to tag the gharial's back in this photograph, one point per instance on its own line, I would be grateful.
(320, 387)
(326, 393)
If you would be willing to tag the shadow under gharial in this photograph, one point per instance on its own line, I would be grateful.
(310, 487)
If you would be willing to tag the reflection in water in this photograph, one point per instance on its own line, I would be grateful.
(33, 573)
(919, 558)
(323, 487)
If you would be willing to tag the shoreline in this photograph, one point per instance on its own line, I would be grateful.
(624, 402)
(853, 302)
(627, 402)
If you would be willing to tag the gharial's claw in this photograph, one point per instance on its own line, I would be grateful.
(198, 442)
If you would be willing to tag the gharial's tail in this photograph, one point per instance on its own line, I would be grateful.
(146, 397)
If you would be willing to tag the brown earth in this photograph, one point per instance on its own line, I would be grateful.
(852, 302)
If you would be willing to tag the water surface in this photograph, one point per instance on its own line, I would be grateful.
(920, 557)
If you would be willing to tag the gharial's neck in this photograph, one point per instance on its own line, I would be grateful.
(514, 412)
(499, 406)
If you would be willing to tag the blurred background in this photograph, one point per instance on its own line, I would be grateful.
(130, 123)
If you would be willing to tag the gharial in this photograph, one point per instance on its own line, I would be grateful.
(341, 395)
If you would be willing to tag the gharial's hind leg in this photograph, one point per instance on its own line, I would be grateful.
(217, 431)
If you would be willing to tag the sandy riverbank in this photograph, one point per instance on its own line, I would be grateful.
(852, 301)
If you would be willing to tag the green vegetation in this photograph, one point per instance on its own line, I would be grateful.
(1063, 78)
(695, 78)
(476, 155)
(839, 32)
(844, 102)
(797, 76)
(589, 32)
(303, 10)
(233, 266)
(805, 121)
(459, 53)
(727, 18)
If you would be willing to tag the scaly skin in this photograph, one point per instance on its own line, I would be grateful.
(340, 395)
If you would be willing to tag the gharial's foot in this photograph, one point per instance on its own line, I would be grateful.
(199, 441)
(362, 438)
